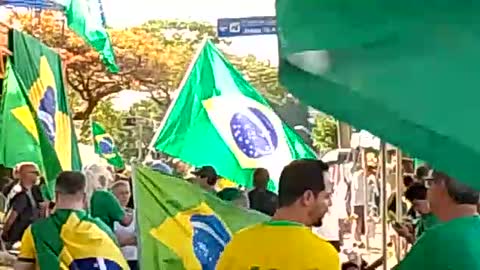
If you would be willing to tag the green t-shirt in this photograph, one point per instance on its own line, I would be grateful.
(425, 223)
(106, 207)
(449, 246)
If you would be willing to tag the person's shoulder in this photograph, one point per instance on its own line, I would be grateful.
(102, 194)
(321, 248)
(248, 232)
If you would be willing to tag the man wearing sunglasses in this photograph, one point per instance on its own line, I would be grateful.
(454, 244)
(24, 203)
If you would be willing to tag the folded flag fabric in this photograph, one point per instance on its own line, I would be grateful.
(105, 146)
(219, 119)
(36, 120)
(190, 227)
(405, 71)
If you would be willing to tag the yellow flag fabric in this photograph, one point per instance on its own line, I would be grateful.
(189, 228)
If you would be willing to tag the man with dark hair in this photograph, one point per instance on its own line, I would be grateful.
(422, 172)
(287, 242)
(454, 244)
(261, 199)
(69, 238)
(206, 178)
(416, 194)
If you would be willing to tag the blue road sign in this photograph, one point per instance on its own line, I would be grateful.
(233, 27)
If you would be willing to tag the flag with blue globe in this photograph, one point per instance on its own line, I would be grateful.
(253, 132)
(105, 146)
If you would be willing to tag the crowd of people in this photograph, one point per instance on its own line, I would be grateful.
(94, 208)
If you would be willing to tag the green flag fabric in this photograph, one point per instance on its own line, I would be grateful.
(84, 17)
(219, 119)
(406, 71)
(105, 146)
(190, 227)
(36, 121)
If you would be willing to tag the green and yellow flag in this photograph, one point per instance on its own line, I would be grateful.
(220, 119)
(37, 124)
(105, 146)
(71, 239)
(190, 227)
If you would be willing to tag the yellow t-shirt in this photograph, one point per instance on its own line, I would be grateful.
(279, 245)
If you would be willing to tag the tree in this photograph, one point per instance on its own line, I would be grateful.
(145, 62)
(152, 57)
(324, 133)
(262, 75)
(146, 112)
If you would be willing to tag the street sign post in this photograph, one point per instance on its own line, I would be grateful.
(233, 27)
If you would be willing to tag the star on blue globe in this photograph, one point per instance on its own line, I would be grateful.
(254, 133)
(106, 145)
(46, 113)
(209, 239)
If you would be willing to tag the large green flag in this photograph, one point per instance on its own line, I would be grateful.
(84, 17)
(36, 121)
(189, 228)
(219, 119)
(407, 71)
(105, 146)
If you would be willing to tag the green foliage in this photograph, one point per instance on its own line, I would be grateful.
(147, 112)
(324, 133)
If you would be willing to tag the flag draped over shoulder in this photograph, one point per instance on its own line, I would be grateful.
(70, 239)
(85, 18)
(406, 71)
(190, 227)
(219, 119)
(105, 146)
(36, 121)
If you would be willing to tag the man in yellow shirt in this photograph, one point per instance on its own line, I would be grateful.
(286, 242)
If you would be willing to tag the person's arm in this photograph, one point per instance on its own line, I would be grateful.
(26, 259)
(19, 203)
(404, 231)
(126, 239)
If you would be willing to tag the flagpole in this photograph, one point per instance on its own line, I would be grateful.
(383, 168)
(176, 94)
(90, 119)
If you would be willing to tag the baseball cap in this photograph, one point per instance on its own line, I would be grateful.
(206, 171)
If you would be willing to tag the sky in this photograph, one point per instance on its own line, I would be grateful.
(125, 13)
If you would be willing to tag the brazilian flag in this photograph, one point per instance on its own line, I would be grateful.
(190, 227)
(71, 239)
(105, 146)
(36, 121)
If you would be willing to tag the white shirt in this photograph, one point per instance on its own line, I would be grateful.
(358, 184)
(129, 252)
